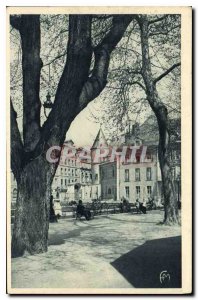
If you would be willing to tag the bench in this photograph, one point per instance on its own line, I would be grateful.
(68, 211)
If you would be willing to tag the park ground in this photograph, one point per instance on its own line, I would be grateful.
(110, 251)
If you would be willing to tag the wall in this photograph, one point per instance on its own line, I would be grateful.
(143, 183)
(108, 174)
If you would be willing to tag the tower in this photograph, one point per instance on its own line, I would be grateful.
(99, 146)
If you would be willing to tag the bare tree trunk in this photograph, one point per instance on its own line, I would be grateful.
(160, 110)
(170, 198)
(31, 224)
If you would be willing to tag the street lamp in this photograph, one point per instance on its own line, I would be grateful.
(48, 103)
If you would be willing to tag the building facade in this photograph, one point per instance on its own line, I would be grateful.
(104, 175)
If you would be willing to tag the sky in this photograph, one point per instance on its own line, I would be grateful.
(83, 130)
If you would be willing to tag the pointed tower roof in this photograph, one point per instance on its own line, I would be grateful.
(99, 140)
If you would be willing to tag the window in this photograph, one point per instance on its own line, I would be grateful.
(61, 171)
(148, 156)
(113, 172)
(138, 191)
(127, 191)
(148, 173)
(109, 191)
(96, 176)
(137, 174)
(61, 181)
(65, 181)
(149, 190)
(137, 157)
(127, 175)
(137, 143)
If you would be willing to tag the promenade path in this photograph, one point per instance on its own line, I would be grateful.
(112, 251)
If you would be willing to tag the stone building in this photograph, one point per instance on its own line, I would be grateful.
(140, 179)
(73, 179)
(103, 175)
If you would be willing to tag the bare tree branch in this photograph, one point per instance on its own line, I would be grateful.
(165, 32)
(157, 20)
(102, 52)
(138, 83)
(17, 150)
(55, 58)
(166, 72)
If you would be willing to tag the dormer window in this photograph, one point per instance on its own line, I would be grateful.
(137, 143)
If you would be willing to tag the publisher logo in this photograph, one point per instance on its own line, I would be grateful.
(164, 277)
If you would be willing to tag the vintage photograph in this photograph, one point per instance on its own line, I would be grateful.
(99, 142)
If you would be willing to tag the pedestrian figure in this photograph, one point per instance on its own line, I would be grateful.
(143, 207)
(82, 211)
(137, 205)
(53, 217)
(121, 206)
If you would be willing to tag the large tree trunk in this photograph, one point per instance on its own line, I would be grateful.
(160, 110)
(31, 224)
(75, 90)
(170, 199)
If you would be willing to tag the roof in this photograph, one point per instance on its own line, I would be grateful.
(99, 140)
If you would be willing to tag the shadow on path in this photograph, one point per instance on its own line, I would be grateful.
(60, 238)
(143, 265)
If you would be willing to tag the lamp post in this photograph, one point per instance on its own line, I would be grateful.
(47, 104)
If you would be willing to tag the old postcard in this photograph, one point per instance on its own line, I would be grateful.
(99, 141)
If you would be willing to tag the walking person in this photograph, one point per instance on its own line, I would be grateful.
(137, 205)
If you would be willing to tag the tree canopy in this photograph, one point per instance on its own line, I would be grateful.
(123, 97)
